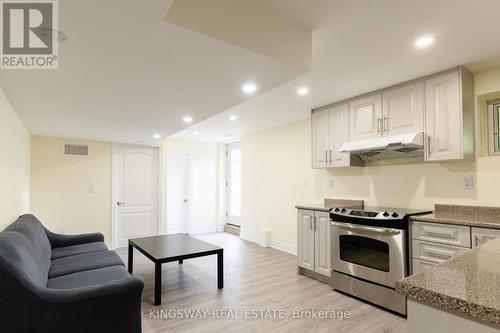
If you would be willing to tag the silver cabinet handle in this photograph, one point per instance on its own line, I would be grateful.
(326, 156)
(366, 229)
(428, 146)
(331, 161)
(386, 124)
(310, 224)
(379, 125)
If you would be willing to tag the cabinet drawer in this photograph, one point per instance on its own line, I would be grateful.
(442, 233)
(434, 252)
(419, 266)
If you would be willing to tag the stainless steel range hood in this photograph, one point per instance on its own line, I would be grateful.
(389, 147)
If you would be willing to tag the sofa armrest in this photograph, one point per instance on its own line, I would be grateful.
(58, 240)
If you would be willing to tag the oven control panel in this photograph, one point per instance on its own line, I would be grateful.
(367, 214)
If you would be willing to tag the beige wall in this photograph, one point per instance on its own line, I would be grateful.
(277, 174)
(60, 195)
(14, 164)
(204, 210)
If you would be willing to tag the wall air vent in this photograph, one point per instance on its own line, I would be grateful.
(76, 150)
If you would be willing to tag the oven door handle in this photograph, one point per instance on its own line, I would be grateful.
(384, 231)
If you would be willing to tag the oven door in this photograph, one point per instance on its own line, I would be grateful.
(370, 253)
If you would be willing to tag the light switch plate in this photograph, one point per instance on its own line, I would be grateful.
(468, 183)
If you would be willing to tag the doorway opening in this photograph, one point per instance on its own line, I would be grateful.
(233, 183)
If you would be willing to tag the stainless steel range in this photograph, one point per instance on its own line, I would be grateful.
(370, 253)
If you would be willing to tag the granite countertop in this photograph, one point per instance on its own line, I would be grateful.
(332, 203)
(474, 216)
(468, 284)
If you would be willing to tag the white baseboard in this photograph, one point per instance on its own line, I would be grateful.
(251, 237)
(203, 230)
(283, 247)
(255, 238)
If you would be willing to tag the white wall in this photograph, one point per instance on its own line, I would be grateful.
(14, 164)
(277, 175)
(205, 183)
(60, 195)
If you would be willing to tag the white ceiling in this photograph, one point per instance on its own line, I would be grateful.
(126, 74)
(359, 46)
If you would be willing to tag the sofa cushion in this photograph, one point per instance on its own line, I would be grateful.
(84, 262)
(88, 278)
(72, 250)
(25, 247)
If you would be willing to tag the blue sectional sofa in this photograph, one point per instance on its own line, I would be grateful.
(59, 283)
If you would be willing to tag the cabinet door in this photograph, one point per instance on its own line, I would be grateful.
(366, 117)
(339, 134)
(305, 239)
(403, 109)
(320, 139)
(419, 266)
(443, 118)
(322, 243)
(483, 235)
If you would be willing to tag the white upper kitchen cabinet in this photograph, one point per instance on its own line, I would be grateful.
(366, 117)
(339, 134)
(330, 130)
(449, 116)
(403, 109)
(320, 139)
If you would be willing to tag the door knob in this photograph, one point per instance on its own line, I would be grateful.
(185, 200)
(118, 203)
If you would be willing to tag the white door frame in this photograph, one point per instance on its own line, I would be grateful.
(114, 226)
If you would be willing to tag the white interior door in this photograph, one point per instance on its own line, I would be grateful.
(178, 192)
(136, 184)
(233, 183)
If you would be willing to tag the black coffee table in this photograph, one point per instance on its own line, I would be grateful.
(175, 247)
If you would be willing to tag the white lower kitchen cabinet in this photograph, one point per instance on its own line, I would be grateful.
(322, 261)
(429, 319)
(434, 243)
(313, 241)
(483, 235)
(305, 239)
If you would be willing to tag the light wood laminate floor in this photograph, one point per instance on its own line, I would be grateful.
(262, 279)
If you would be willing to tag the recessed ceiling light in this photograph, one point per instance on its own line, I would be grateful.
(249, 88)
(424, 42)
(187, 119)
(302, 91)
(233, 118)
(196, 133)
(157, 136)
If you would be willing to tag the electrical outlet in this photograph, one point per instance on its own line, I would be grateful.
(91, 189)
(468, 182)
(305, 184)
